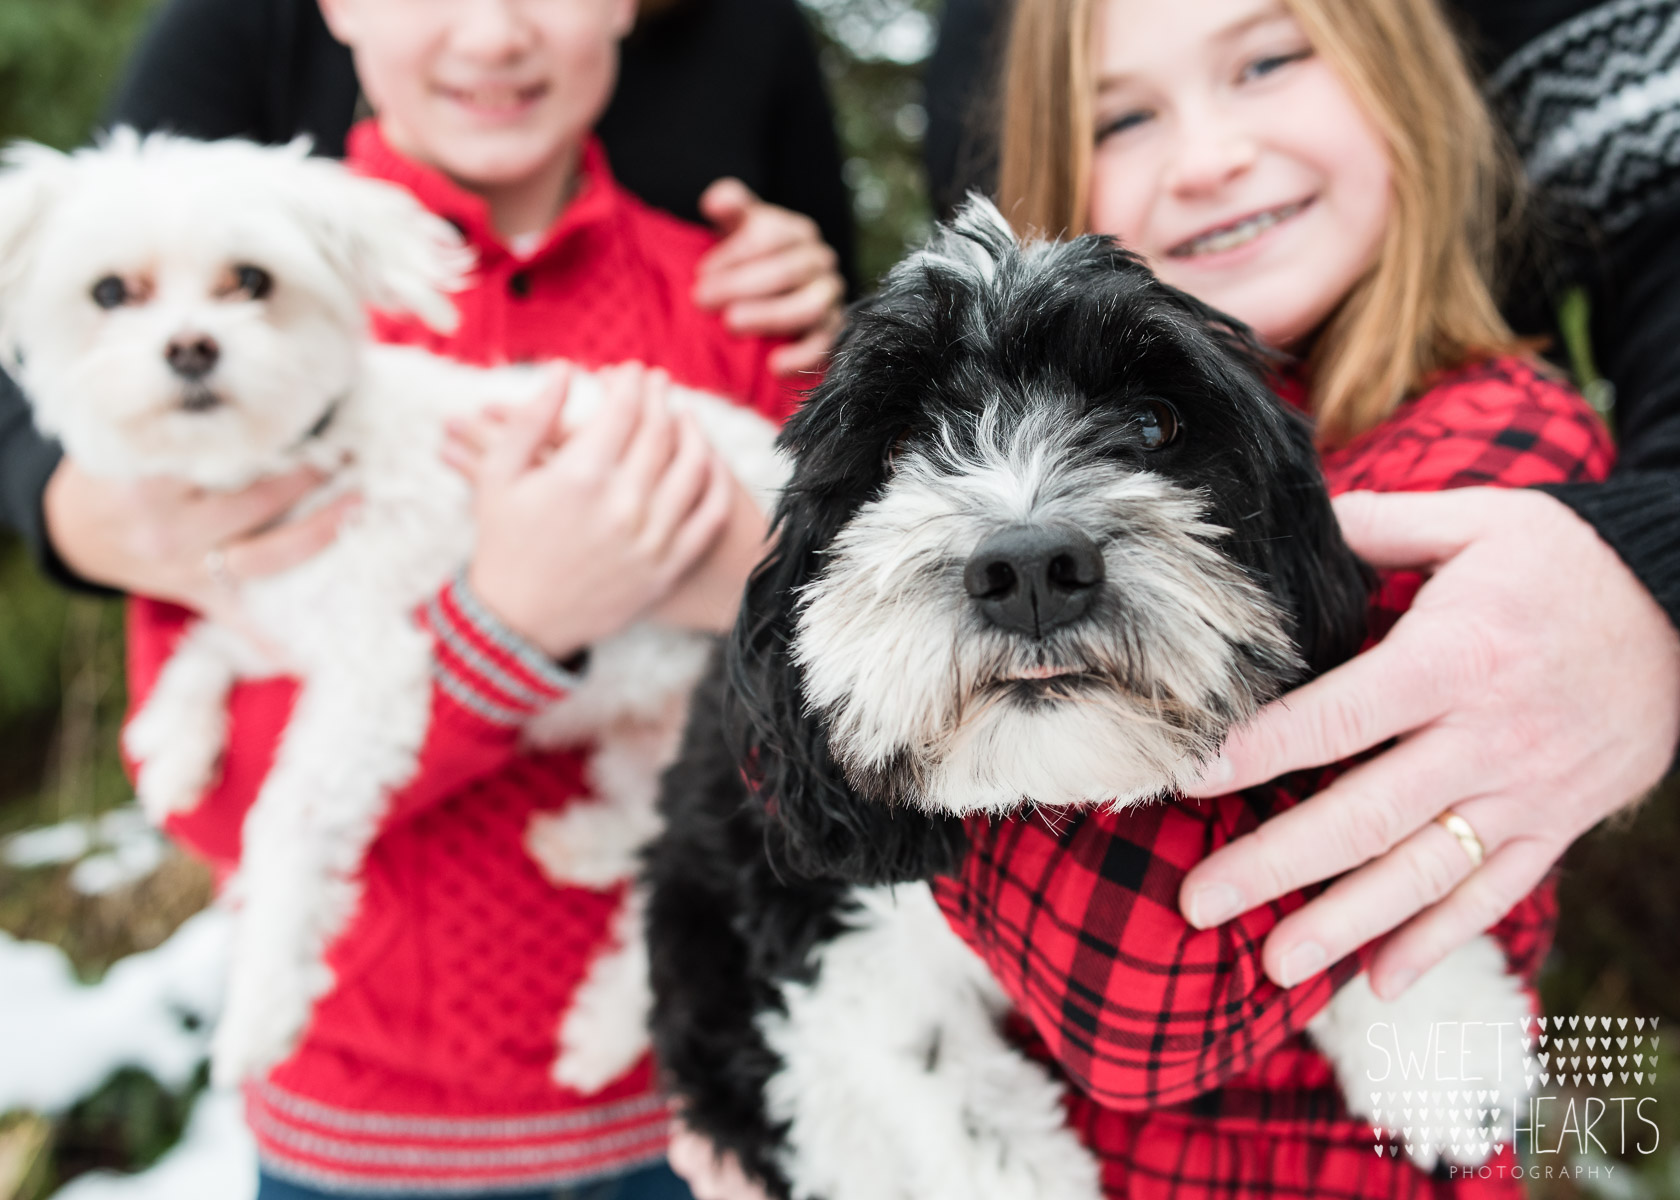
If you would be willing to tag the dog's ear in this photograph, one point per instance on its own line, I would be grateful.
(1317, 576)
(32, 178)
(1291, 537)
(817, 824)
(395, 255)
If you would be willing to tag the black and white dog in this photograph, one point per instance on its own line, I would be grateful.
(1048, 537)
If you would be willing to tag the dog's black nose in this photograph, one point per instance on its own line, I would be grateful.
(1033, 579)
(192, 355)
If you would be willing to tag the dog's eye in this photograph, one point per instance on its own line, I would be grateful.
(253, 281)
(894, 450)
(1157, 424)
(110, 292)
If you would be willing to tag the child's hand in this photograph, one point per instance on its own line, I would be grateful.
(710, 1175)
(709, 595)
(771, 274)
(581, 532)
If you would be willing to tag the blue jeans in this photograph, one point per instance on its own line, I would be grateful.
(649, 1183)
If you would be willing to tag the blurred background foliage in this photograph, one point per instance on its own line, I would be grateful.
(61, 689)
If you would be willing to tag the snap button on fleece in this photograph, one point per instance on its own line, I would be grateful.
(519, 283)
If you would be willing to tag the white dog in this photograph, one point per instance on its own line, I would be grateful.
(198, 311)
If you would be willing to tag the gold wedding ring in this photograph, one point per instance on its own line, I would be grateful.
(1460, 829)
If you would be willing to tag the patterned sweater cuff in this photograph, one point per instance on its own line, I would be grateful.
(485, 667)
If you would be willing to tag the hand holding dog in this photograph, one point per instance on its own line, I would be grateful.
(710, 1175)
(771, 274)
(1534, 687)
(582, 532)
(155, 537)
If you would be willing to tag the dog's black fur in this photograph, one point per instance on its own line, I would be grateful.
(764, 834)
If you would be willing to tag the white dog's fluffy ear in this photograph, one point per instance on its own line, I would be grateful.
(396, 255)
(32, 178)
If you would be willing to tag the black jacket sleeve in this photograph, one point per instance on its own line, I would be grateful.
(27, 461)
(1574, 82)
(1636, 334)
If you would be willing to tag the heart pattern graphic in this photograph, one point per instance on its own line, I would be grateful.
(1467, 1122)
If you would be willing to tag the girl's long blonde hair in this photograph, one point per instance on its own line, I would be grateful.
(1427, 303)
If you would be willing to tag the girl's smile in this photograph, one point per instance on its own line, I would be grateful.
(1219, 246)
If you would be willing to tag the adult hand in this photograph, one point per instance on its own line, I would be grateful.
(709, 1175)
(580, 532)
(1534, 687)
(161, 538)
(772, 274)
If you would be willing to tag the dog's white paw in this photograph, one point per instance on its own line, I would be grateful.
(264, 1016)
(177, 760)
(605, 1030)
(590, 844)
(1450, 1046)
(178, 735)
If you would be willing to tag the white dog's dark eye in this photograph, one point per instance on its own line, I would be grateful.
(1157, 424)
(110, 292)
(253, 281)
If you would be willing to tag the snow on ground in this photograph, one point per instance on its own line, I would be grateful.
(60, 1039)
(109, 851)
(215, 1160)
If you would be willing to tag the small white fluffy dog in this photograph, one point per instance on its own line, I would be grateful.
(198, 311)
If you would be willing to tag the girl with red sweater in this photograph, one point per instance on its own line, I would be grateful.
(426, 1069)
(1325, 172)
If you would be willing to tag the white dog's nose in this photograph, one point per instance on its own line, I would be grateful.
(192, 355)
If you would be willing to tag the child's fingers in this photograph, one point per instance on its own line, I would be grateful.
(772, 274)
(604, 438)
(705, 523)
(797, 312)
(464, 458)
(516, 446)
(726, 203)
(765, 229)
(648, 456)
(681, 487)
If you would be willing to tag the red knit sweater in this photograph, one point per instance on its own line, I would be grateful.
(426, 1069)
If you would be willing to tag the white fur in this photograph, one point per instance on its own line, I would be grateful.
(897, 1083)
(604, 1031)
(1470, 986)
(178, 216)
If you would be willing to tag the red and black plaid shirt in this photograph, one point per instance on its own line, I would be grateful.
(1190, 1074)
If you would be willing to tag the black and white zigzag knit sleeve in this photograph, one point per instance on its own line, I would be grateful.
(1594, 108)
